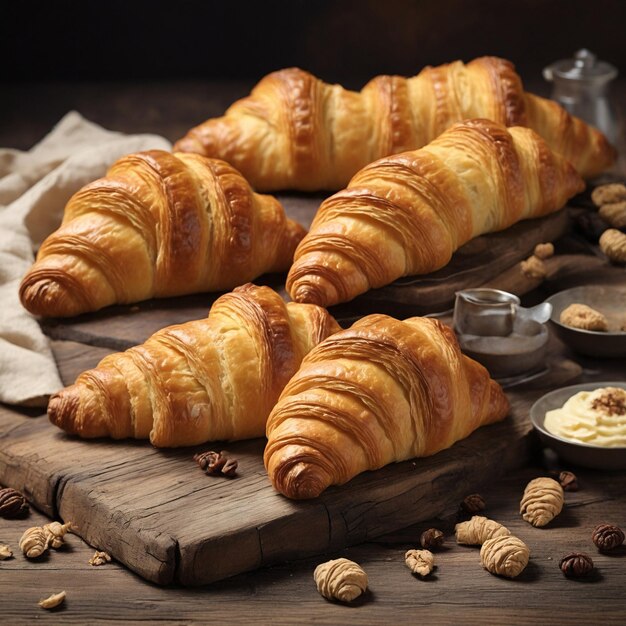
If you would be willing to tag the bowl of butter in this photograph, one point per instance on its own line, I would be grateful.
(585, 424)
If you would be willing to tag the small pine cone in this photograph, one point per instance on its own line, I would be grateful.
(472, 504)
(607, 537)
(542, 501)
(432, 539)
(568, 481)
(576, 565)
(608, 194)
(420, 562)
(478, 529)
(340, 579)
(34, 542)
(12, 504)
(613, 244)
(506, 556)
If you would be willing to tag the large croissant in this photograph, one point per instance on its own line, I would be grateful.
(295, 131)
(406, 214)
(158, 225)
(211, 379)
(382, 391)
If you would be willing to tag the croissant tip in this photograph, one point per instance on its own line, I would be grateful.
(302, 481)
(48, 297)
(62, 410)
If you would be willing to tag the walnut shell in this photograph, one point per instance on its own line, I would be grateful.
(614, 214)
(53, 601)
(613, 244)
(506, 556)
(478, 529)
(584, 317)
(542, 501)
(340, 579)
(420, 561)
(608, 194)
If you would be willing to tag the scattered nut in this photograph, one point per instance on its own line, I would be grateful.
(55, 531)
(420, 561)
(534, 267)
(213, 463)
(505, 555)
(568, 480)
(432, 539)
(544, 250)
(614, 214)
(34, 542)
(340, 579)
(478, 529)
(576, 565)
(607, 537)
(584, 317)
(13, 504)
(608, 194)
(100, 558)
(613, 244)
(53, 601)
(472, 504)
(5, 552)
(542, 501)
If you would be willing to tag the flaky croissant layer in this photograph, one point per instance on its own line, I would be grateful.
(295, 131)
(408, 213)
(158, 225)
(382, 391)
(205, 380)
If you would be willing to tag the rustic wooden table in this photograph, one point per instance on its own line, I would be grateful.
(459, 591)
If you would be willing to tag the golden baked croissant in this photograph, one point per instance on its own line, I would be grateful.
(382, 391)
(158, 225)
(210, 379)
(295, 131)
(406, 214)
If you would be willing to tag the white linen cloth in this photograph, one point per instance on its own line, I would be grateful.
(34, 189)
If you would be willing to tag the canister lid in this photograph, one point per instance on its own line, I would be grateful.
(583, 67)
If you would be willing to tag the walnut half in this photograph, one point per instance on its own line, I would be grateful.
(505, 556)
(420, 561)
(542, 501)
(340, 579)
(478, 529)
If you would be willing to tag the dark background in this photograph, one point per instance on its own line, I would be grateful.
(90, 55)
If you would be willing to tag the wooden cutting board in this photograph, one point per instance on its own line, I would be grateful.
(157, 513)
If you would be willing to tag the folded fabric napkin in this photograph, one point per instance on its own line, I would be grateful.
(34, 189)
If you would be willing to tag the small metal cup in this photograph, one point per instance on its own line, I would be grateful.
(485, 312)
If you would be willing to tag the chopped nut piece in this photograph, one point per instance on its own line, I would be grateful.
(544, 250)
(213, 463)
(5, 552)
(607, 537)
(472, 504)
(100, 558)
(340, 579)
(542, 501)
(583, 317)
(55, 532)
(432, 539)
(34, 542)
(13, 504)
(506, 556)
(608, 194)
(576, 565)
(478, 529)
(613, 244)
(611, 402)
(420, 561)
(534, 267)
(568, 481)
(53, 601)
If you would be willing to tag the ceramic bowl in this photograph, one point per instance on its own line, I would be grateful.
(585, 455)
(607, 299)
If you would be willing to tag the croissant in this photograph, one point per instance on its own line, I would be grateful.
(295, 131)
(406, 214)
(210, 379)
(382, 391)
(158, 225)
